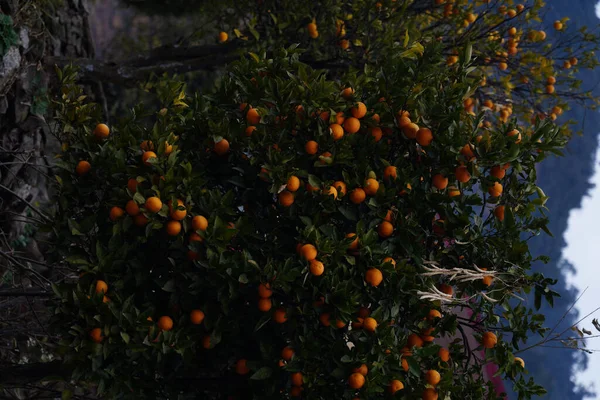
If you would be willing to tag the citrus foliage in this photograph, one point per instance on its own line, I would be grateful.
(321, 225)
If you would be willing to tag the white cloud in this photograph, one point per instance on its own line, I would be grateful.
(598, 9)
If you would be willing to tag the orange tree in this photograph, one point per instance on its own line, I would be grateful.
(287, 235)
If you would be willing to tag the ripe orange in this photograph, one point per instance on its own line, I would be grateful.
(395, 386)
(101, 287)
(324, 319)
(519, 360)
(414, 340)
(516, 133)
(331, 192)
(132, 185)
(317, 268)
(308, 252)
(385, 229)
(411, 130)
(194, 237)
(221, 147)
(339, 324)
(140, 220)
(444, 354)
(359, 111)
(356, 381)
(389, 260)
(176, 213)
(357, 196)
(153, 204)
(439, 181)
(147, 156)
(374, 277)
(489, 340)
(376, 118)
(376, 132)
(297, 379)
(363, 370)
(286, 198)
(264, 304)
(433, 314)
(495, 190)
(249, 130)
(498, 172)
(132, 208)
(487, 280)
(206, 342)
(351, 125)
(341, 188)
(389, 216)
(264, 290)
(347, 93)
(287, 353)
(296, 391)
(573, 61)
(424, 137)
(336, 130)
(432, 377)
(550, 89)
(499, 213)
(371, 186)
(430, 394)
(404, 365)
(196, 317)
(467, 151)
(447, 289)
(147, 145)
(96, 335)
(173, 228)
(339, 118)
(252, 116)
(354, 244)
(390, 172)
(370, 324)
(279, 316)
(462, 174)
(558, 25)
(199, 223)
(82, 168)
(165, 323)
(116, 213)
(311, 147)
(101, 131)
(312, 30)
(453, 191)
(223, 36)
(241, 368)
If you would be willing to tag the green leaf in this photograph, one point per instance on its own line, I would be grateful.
(169, 286)
(125, 337)
(262, 374)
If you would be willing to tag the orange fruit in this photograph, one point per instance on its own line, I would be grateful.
(252, 117)
(370, 324)
(519, 360)
(194, 237)
(297, 379)
(430, 394)
(312, 30)
(223, 36)
(467, 151)
(354, 244)
(453, 191)
(340, 187)
(403, 121)
(489, 340)
(390, 172)
(105, 299)
(374, 277)
(82, 168)
(359, 111)
(356, 381)
(351, 125)
(340, 324)
(339, 118)
(487, 280)
(324, 319)
(196, 317)
(296, 391)
(573, 61)
(389, 216)
(395, 386)
(147, 156)
(411, 130)
(249, 130)
(447, 289)
(221, 147)
(140, 220)
(433, 314)
(176, 213)
(404, 364)
(444, 354)
(101, 287)
(439, 181)
(279, 316)
(551, 80)
(264, 304)
(308, 252)
(462, 174)
(132, 185)
(512, 31)
(132, 208)
(389, 260)
(316, 268)
(498, 172)
(385, 229)
(364, 312)
(153, 204)
(495, 190)
(347, 93)
(311, 147)
(287, 353)
(336, 130)
(516, 133)
(165, 323)
(241, 368)
(376, 132)
(330, 192)
(147, 145)
(199, 223)
(424, 137)
(173, 228)
(96, 335)
(558, 25)
(499, 213)
(371, 186)
(286, 198)
(357, 196)
(101, 131)
(264, 290)
(414, 340)
(550, 89)
(206, 342)
(116, 213)
(432, 377)
(168, 148)
(363, 370)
